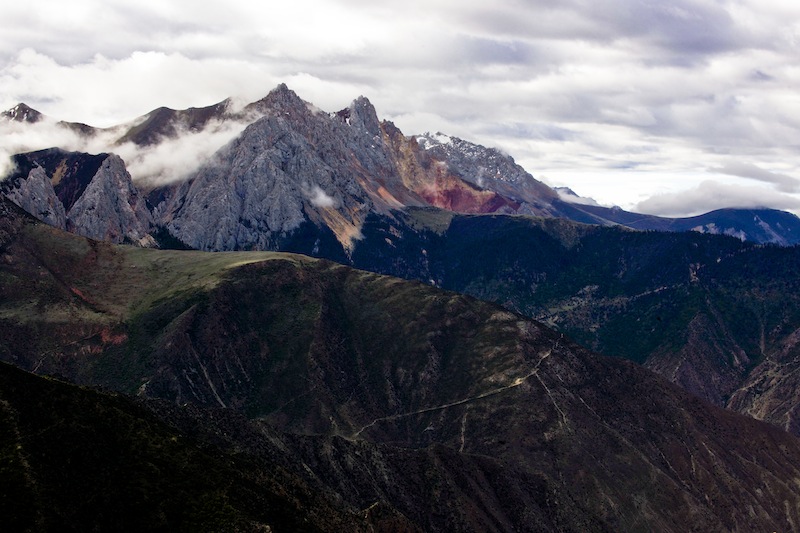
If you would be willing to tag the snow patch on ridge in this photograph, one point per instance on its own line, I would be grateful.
(428, 140)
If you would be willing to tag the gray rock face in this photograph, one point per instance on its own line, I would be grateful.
(91, 195)
(295, 164)
(35, 194)
(245, 195)
(111, 208)
(298, 164)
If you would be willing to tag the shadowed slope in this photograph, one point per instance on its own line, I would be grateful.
(318, 349)
(72, 459)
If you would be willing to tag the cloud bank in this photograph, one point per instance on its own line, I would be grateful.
(175, 159)
(169, 161)
(709, 195)
(782, 182)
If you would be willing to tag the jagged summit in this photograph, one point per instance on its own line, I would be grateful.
(291, 167)
(71, 171)
(428, 140)
(490, 169)
(22, 113)
(281, 99)
(362, 115)
(91, 195)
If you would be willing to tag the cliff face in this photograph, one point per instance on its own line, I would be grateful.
(91, 195)
(294, 165)
(35, 194)
(111, 208)
(489, 169)
(263, 186)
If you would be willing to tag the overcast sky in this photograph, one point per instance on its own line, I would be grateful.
(668, 107)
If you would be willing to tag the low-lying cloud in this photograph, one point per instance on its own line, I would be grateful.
(19, 137)
(171, 160)
(320, 198)
(782, 182)
(710, 195)
(175, 159)
(570, 196)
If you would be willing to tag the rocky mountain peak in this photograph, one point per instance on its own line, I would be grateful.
(111, 208)
(280, 100)
(32, 190)
(489, 168)
(365, 158)
(165, 122)
(22, 113)
(69, 172)
(362, 114)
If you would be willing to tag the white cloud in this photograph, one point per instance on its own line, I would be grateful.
(105, 92)
(23, 137)
(782, 182)
(711, 194)
(171, 160)
(175, 159)
(319, 198)
(568, 195)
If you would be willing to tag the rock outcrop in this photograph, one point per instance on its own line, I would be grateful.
(111, 208)
(296, 164)
(35, 194)
(91, 195)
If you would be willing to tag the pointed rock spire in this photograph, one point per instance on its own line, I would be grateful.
(34, 193)
(281, 99)
(22, 113)
(361, 114)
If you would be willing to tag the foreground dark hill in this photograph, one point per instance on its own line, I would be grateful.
(710, 313)
(78, 460)
(454, 413)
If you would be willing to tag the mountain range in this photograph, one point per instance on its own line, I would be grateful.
(331, 170)
(399, 393)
